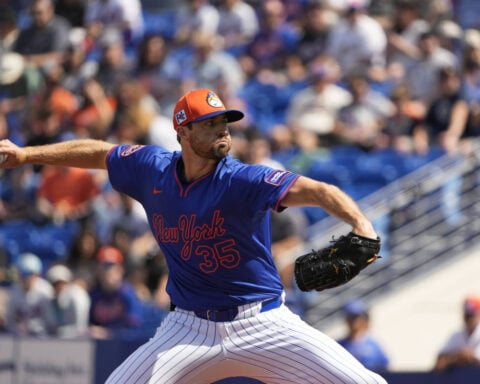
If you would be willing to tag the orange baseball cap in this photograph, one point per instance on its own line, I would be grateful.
(109, 255)
(471, 305)
(201, 104)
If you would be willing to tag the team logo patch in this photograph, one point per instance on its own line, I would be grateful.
(130, 150)
(180, 116)
(276, 177)
(213, 100)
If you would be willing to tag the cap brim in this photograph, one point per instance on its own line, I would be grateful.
(232, 115)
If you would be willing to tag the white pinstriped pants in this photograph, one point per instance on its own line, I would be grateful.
(275, 347)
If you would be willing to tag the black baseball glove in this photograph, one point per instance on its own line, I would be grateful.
(336, 264)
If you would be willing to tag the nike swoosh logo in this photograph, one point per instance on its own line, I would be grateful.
(157, 191)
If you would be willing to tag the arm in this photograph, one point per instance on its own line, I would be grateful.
(458, 358)
(458, 122)
(309, 192)
(85, 153)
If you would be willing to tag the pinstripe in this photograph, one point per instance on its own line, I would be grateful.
(178, 332)
(329, 352)
(300, 330)
(274, 359)
(278, 345)
(190, 347)
(326, 361)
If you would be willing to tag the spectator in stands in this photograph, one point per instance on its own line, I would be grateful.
(470, 75)
(9, 30)
(315, 28)
(54, 96)
(46, 38)
(361, 121)
(422, 76)
(357, 41)
(66, 194)
(72, 10)
(463, 347)
(310, 149)
(193, 17)
(238, 25)
(405, 32)
(259, 152)
(44, 127)
(28, 298)
(358, 340)
(134, 114)
(158, 71)
(82, 258)
(76, 68)
(446, 123)
(68, 310)
(274, 42)
(122, 221)
(114, 65)
(19, 82)
(450, 37)
(125, 16)
(211, 67)
(282, 143)
(398, 129)
(115, 308)
(316, 107)
(18, 195)
(161, 133)
(96, 111)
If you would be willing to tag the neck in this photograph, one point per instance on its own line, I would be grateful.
(189, 171)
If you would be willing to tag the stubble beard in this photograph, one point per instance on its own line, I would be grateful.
(216, 151)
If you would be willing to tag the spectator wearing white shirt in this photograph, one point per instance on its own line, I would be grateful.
(463, 346)
(28, 298)
(238, 24)
(357, 40)
(316, 107)
(69, 309)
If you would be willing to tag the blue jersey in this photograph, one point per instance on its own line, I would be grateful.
(368, 351)
(214, 231)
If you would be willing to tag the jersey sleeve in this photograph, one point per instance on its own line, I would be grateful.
(266, 187)
(131, 166)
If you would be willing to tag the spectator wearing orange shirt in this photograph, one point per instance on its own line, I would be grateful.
(66, 193)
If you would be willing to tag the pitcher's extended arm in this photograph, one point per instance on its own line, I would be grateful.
(84, 153)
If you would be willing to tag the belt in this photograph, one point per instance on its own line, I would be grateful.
(229, 314)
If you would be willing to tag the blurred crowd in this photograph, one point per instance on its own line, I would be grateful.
(311, 75)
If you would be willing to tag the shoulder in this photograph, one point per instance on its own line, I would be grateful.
(141, 152)
(257, 173)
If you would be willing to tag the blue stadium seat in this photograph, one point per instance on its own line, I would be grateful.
(346, 155)
(330, 172)
(161, 23)
(49, 242)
